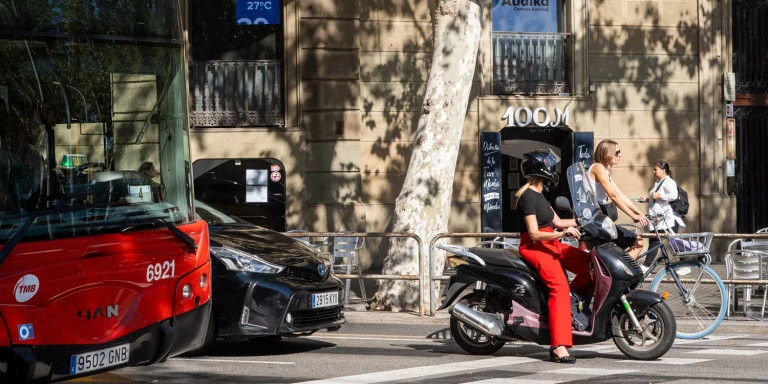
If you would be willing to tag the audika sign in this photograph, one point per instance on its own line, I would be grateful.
(257, 12)
(524, 15)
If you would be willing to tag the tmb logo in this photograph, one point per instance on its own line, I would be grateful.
(26, 288)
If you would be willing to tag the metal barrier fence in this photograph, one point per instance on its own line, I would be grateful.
(420, 277)
(433, 277)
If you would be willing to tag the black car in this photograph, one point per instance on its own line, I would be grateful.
(266, 283)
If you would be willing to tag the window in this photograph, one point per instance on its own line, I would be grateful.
(236, 68)
(530, 47)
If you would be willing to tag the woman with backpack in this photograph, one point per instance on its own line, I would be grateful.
(663, 192)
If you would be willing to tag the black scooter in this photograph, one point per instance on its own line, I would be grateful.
(509, 301)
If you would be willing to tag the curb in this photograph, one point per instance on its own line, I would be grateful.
(750, 324)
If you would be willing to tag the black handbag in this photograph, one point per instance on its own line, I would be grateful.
(610, 210)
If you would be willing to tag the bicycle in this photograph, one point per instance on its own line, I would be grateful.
(698, 299)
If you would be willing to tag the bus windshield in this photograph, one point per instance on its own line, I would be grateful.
(94, 133)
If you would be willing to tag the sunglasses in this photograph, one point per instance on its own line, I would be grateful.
(618, 153)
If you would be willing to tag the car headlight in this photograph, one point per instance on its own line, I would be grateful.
(243, 261)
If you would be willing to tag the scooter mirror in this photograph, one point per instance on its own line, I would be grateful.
(561, 202)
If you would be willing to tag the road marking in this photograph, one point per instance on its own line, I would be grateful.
(730, 352)
(411, 373)
(398, 338)
(515, 380)
(708, 338)
(758, 345)
(594, 348)
(666, 360)
(529, 379)
(233, 361)
(591, 371)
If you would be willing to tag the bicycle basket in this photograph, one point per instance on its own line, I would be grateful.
(683, 244)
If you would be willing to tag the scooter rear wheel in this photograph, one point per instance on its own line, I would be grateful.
(469, 338)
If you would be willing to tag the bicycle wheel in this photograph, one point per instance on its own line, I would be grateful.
(705, 309)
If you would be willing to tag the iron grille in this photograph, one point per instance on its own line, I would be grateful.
(530, 63)
(236, 93)
(750, 46)
(751, 168)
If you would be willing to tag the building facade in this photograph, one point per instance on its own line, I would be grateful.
(334, 89)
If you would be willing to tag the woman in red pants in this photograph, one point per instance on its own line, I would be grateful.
(541, 249)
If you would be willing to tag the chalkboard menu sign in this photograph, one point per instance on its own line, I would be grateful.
(583, 148)
(490, 159)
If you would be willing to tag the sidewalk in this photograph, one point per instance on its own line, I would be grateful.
(358, 313)
(737, 324)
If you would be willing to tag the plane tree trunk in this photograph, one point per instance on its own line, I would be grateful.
(424, 204)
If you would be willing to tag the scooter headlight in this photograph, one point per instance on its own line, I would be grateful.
(607, 225)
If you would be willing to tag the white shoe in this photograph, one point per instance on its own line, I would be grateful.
(682, 271)
(644, 268)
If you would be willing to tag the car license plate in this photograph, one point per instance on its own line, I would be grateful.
(102, 358)
(325, 299)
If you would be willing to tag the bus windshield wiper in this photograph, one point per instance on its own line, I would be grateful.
(188, 240)
(14, 240)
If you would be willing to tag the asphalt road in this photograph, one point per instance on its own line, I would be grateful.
(404, 348)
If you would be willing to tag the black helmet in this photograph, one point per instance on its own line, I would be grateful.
(541, 163)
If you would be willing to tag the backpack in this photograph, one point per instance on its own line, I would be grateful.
(580, 313)
(680, 205)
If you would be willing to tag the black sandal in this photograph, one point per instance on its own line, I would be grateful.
(564, 359)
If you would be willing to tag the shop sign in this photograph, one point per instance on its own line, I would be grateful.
(540, 117)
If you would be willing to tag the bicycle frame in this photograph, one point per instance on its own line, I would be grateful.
(668, 266)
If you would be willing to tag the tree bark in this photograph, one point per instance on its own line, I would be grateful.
(424, 204)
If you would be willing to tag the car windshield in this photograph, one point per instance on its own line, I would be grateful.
(215, 217)
(94, 132)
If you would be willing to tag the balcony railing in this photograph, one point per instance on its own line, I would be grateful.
(530, 63)
(236, 93)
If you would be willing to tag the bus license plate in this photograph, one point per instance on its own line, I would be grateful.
(325, 299)
(102, 358)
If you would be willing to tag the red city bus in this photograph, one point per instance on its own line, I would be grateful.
(102, 262)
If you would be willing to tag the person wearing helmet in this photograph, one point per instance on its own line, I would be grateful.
(539, 246)
(608, 154)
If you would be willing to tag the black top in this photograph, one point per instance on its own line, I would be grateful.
(534, 203)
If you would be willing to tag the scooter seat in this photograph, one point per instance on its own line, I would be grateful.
(502, 258)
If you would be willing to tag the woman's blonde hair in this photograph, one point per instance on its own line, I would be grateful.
(531, 181)
(605, 151)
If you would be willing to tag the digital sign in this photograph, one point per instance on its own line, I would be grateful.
(257, 12)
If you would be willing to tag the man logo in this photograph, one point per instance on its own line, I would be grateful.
(26, 332)
(26, 288)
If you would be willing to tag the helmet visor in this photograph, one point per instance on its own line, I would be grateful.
(551, 159)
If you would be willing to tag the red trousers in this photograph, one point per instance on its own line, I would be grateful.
(549, 258)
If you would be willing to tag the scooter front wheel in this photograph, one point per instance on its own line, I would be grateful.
(469, 338)
(655, 338)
